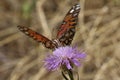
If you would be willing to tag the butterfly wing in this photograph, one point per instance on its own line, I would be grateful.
(66, 30)
(36, 36)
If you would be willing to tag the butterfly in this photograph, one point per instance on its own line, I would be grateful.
(65, 32)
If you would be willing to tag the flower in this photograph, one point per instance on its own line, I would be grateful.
(64, 56)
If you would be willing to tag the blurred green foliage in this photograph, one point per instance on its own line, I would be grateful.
(27, 8)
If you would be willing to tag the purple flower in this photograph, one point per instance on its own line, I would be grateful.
(64, 56)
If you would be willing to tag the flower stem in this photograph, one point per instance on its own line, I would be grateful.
(68, 73)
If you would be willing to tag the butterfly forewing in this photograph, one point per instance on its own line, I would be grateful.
(36, 36)
(66, 30)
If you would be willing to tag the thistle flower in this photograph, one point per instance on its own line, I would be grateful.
(64, 56)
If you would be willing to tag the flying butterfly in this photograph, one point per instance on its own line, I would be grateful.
(65, 32)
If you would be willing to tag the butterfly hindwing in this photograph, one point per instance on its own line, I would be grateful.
(36, 36)
(66, 30)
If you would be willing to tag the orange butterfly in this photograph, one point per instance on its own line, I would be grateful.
(65, 33)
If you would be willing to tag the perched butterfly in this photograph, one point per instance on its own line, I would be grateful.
(65, 33)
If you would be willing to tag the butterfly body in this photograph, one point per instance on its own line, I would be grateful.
(65, 33)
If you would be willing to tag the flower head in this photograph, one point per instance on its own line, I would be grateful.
(64, 56)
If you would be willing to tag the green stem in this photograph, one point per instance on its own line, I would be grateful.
(64, 76)
(70, 73)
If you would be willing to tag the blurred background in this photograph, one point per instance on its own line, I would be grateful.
(97, 33)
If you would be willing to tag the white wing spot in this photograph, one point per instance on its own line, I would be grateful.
(78, 5)
(77, 8)
(75, 14)
(21, 29)
(26, 33)
(72, 10)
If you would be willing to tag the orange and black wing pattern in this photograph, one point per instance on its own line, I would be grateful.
(36, 36)
(66, 30)
(65, 33)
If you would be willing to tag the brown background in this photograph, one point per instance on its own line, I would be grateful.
(97, 33)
